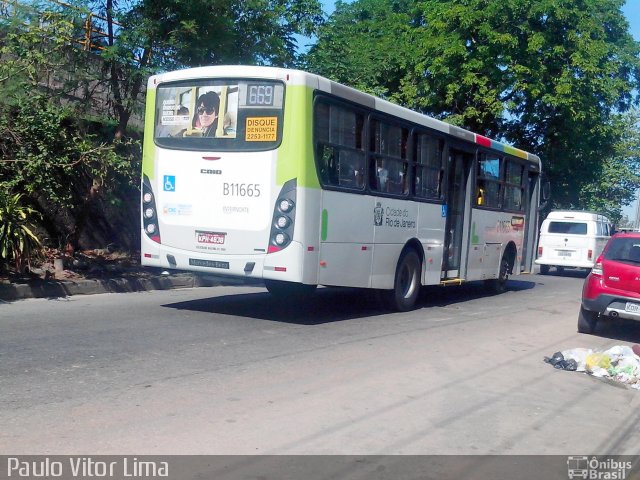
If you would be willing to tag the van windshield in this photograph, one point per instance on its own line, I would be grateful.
(572, 228)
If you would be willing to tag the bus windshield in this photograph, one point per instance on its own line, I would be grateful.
(220, 114)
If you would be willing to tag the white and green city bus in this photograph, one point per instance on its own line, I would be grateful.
(301, 181)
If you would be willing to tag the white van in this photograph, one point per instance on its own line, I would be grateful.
(571, 239)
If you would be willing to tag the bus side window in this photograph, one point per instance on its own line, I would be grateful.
(514, 185)
(339, 148)
(388, 146)
(428, 169)
(489, 181)
(351, 169)
(480, 194)
(329, 171)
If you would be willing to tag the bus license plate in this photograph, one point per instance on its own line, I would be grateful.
(564, 253)
(632, 307)
(196, 262)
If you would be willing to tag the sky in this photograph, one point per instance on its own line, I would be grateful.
(631, 10)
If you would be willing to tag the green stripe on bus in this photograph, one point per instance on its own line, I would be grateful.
(514, 151)
(295, 156)
(149, 148)
(325, 223)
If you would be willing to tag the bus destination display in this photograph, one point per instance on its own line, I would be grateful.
(260, 95)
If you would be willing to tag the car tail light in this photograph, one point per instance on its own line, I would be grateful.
(597, 268)
(149, 215)
(539, 251)
(283, 219)
(590, 254)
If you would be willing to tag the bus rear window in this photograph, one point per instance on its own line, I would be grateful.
(219, 114)
(572, 228)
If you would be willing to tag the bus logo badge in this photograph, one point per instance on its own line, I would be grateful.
(169, 183)
(213, 238)
(377, 214)
(578, 466)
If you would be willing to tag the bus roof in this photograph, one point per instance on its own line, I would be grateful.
(298, 77)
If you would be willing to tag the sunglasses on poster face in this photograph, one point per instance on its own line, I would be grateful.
(208, 111)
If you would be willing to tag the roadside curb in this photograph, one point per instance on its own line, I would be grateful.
(64, 288)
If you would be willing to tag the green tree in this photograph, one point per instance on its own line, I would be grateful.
(550, 76)
(619, 175)
(155, 35)
(52, 153)
(63, 165)
(131, 40)
(363, 45)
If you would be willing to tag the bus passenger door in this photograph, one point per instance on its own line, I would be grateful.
(459, 164)
(531, 224)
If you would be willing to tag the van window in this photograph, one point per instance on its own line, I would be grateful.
(572, 228)
(603, 230)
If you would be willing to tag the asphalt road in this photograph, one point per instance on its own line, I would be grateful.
(230, 370)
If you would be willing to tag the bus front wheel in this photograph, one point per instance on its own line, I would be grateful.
(499, 285)
(406, 285)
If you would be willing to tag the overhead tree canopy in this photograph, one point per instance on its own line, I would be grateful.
(364, 45)
(549, 76)
(68, 90)
(169, 34)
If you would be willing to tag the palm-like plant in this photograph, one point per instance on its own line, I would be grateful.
(18, 243)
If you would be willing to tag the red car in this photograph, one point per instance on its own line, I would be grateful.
(612, 289)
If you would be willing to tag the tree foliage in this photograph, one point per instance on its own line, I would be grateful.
(363, 45)
(63, 165)
(18, 243)
(549, 76)
(73, 75)
(155, 35)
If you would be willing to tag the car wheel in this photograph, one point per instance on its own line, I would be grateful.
(544, 269)
(406, 285)
(587, 320)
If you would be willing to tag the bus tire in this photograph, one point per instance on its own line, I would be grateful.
(499, 285)
(290, 290)
(406, 283)
(544, 269)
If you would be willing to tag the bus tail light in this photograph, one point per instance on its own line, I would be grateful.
(149, 211)
(283, 219)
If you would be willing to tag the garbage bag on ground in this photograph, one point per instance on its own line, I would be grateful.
(620, 363)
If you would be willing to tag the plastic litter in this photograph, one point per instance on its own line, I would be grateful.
(558, 360)
(620, 363)
(598, 360)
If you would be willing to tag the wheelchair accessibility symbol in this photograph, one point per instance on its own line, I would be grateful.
(169, 183)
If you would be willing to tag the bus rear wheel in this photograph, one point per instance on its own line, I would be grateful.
(291, 290)
(406, 285)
